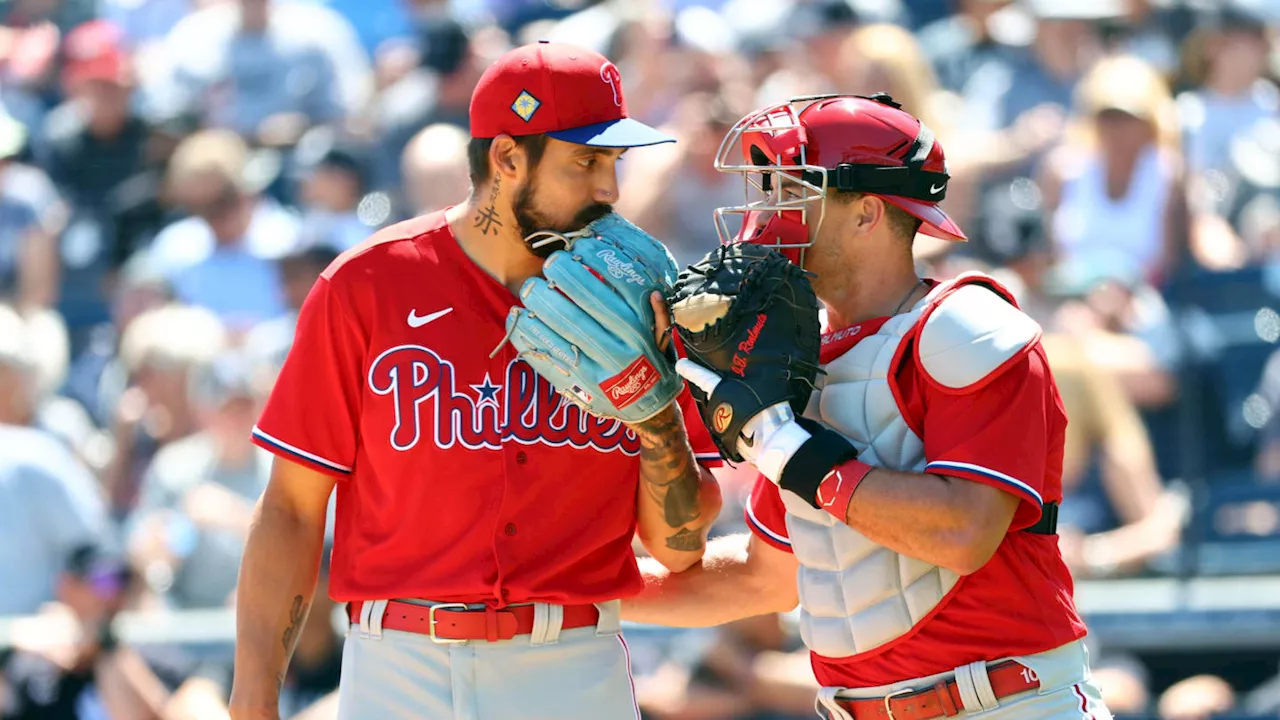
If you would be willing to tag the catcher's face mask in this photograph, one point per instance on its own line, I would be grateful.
(794, 152)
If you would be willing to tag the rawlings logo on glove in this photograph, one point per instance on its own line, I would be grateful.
(627, 386)
(620, 269)
(588, 326)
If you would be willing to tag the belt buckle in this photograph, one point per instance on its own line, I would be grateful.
(431, 623)
(888, 711)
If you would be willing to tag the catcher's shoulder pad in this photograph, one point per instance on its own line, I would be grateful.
(972, 333)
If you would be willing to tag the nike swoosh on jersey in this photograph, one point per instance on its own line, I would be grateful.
(416, 321)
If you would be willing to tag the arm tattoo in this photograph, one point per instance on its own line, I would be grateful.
(670, 476)
(487, 219)
(686, 540)
(297, 614)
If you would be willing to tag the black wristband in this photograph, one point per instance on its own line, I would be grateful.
(805, 470)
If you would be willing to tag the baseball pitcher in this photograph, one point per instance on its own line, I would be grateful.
(492, 391)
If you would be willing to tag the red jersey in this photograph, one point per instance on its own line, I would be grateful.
(1009, 434)
(460, 478)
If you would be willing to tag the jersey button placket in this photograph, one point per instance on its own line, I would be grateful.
(511, 470)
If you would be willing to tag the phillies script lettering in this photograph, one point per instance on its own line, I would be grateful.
(427, 402)
(739, 366)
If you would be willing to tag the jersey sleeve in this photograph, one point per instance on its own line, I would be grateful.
(1005, 434)
(766, 515)
(704, 450)
(312, 414)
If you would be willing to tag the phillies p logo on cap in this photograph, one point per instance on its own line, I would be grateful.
(609, 73)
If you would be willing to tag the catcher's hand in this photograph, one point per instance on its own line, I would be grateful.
(748, 320)
(588, 325)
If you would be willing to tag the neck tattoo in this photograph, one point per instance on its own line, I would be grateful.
(487, 220)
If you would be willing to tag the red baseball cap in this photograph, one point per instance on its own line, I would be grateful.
(567, 92)
(95, 51)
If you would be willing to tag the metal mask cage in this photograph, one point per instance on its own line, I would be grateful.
(762, 178)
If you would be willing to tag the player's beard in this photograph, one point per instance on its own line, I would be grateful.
(530, 220)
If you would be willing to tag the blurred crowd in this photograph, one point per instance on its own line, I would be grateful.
(174, 174)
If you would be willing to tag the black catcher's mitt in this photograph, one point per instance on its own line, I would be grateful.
(750, 316)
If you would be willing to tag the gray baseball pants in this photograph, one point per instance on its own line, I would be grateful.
(1066, 690)
(552, 674)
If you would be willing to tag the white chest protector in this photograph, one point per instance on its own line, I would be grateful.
(855, 595)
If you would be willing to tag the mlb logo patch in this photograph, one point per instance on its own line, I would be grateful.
(525, 105)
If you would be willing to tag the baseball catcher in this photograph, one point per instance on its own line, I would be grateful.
(909, 449)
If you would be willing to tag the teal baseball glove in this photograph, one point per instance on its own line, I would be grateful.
(588, 327)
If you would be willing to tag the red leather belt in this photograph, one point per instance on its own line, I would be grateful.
(943, 699)
(456, 622)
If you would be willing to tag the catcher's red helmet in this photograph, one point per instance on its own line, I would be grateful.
(848, 142)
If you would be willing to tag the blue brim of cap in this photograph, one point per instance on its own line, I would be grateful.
(621, 133)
